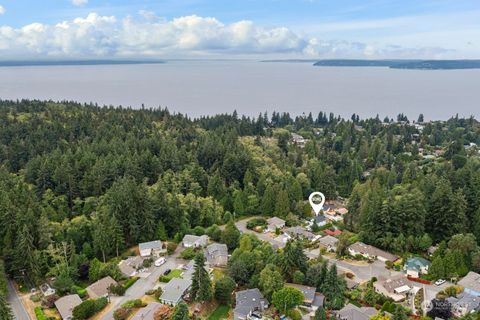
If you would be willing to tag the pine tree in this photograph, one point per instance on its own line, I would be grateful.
(25, 258)
(117, 235)
(181, 312)
(320, 314)
(231, 235)
(282, 205)
(5, 311)
(267, 206)
(201, 289)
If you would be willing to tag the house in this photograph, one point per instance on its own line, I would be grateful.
(342, 211)
(247, 302)
(301, 233)
(333, 233)
(298, 140)
(320, 220)
(417, 266)
(192, 241)
(47, 290)
(329, 243)
(311, 299)
(471, 284)
(151, 248)
(431, 250)
(464, 304)
(66, 304)
(175, 290)
(147, 313)
(329, 208)
(370, 252)
(129, 266)
(352, 312)
(275, 223)
(396, 288)
(99, 289)
(217, 254)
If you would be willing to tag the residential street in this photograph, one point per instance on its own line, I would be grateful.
(14, 300)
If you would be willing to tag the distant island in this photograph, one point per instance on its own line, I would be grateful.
(402, 64)
(26, 63)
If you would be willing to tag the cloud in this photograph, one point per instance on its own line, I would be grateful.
(147, 35)
(2, 10)
(79, 3)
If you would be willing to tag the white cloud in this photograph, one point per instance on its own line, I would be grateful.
(2, 10)
(147, 35)
(79, 3)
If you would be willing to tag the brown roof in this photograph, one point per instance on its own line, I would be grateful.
(100, 288)
(66, 304)
(373, 251)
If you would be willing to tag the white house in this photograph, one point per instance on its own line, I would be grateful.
(151, 248)
(192, 241)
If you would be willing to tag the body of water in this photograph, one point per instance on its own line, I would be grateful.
(210, 87)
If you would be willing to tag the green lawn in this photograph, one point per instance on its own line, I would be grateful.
(176, 273)
(220, 313)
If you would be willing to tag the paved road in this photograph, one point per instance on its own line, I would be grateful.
(13, 299)
(144, 284)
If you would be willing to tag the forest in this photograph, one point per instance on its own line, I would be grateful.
(80, 183)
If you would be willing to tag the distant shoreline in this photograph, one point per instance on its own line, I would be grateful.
(33, 63)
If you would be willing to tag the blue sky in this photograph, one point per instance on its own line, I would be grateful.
(240, 28)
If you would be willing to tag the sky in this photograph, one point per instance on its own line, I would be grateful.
(269, 29)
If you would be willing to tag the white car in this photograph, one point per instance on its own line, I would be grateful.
(439, 282)
(160, 261)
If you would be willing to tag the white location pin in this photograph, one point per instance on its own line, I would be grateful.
(314, 198)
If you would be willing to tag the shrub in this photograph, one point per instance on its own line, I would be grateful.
(49, 302)
(130, 282)
(256, 222)
(147, 263)
(294, 314)
(188, 254)
(156, 293)
(121, 313)
(171, 247)
(136, 303)
(389, 264)
(100, 304)
(84, 310)
(117, 289)
(39, 314)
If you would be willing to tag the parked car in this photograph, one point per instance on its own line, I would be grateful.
(167, 272)
(160, 261)
(439, 282)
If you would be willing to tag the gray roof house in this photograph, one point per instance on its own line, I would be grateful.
(396, 288)
(464, 304)
(352, 312)
(99, 289)
(147, 312)
(471, 283)
(66, 304)
(217, 254)
(300, 232)
(129, 266)
(371, 252)
(275, 223)
(329, 242)
(151, 248)
(175, 290)
(248, 301)
(192, 241)
(311, 298)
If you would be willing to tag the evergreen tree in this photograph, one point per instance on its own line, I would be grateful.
(320, 314)
(282, 205)
(5, 311)
(267, 206)
(181, 312)
(201, 289)
(231, 235)
(223, 290)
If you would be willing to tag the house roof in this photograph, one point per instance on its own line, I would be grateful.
(190, 238)
(352, 312)
(467, 301)
(216, 249)
(308, 292)
(335, 232)
(147, 312)
(300, 232)
(100, 288)
(417, 263)
(157, 244)
(342, 210)
(399, 283)
(175, 289)
(471, 281)
(372, 251)
(328, 241)
(130, 265)
(248, 300)
(319, 300)
(66, 304)
(275, 221)
(319, 218)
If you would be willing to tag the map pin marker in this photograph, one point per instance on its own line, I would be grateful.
(314, 198)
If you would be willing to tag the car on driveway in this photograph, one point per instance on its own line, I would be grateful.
(439, 282)
(167, 272)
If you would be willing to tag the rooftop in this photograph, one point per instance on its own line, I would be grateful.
(175, 289)
(157, 244)
(417, 263)
(66, 304)
(471, 281)
(308, 292)
(372, 251)
(248, 300)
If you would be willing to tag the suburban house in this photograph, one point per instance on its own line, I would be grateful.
(298, 140)
(301, 233)
(431, 250)
(352, 312)
(47, 290)
(396, 288)
(464, 304)
(333, 233)
(329, 243)
(175, 291)
(371, 252)
(320, 220)
(247, 302)
(66, 304)
(471, 284)
(147, 312)
(99, 289)
(217, 254)
(151, 248)
(275, 223)
(311, 299)
(129, 266)
(417, 266)
(192, 241)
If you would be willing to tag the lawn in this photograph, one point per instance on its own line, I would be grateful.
(220, 313)
(176, 273)
(218, 273)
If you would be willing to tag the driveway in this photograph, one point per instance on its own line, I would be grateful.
(143, 285)
(15, 303)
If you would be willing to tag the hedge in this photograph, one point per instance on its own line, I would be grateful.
(130, 282)
(39, 314)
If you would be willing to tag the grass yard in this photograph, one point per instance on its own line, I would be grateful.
(218, 274)
(176, 273)
(220, 313)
